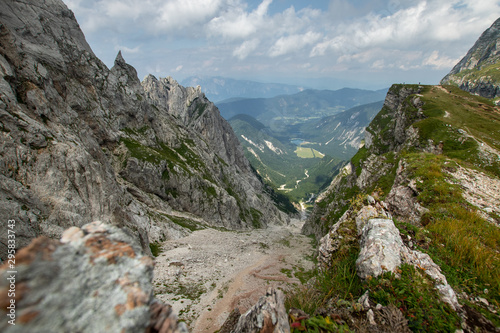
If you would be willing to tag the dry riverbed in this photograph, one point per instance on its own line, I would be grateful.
(205, 275)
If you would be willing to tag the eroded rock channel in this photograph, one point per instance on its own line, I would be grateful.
(208, 273)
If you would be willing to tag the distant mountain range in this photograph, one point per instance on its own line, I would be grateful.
(280, 112)
(218, 88)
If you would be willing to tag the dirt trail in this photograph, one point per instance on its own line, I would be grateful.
(208, 273)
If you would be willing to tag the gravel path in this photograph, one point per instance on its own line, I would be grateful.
(208, 273)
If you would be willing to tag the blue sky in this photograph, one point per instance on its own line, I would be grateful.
(316, 43)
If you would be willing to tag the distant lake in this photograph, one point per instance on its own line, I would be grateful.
(297, 142)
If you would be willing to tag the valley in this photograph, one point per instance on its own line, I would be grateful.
(134, 206)
(207, 274)
(286, 136)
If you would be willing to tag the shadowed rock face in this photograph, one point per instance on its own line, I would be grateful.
(95, 279)
(81, 142)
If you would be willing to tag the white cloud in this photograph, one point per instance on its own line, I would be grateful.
(293, 43)
(236, 23)
(246, 48)
(217, 35)
(439, 62)
(176, 14)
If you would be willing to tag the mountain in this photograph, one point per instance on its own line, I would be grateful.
(478, 71)
(282, 111)
(342, 134)
(279, 163)
(420, 199)
(220, 88)
(82, 143)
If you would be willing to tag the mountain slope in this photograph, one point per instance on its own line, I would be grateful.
(477, 72)
(420, 200)
(281, 111)
(340, 135)
(81, 142)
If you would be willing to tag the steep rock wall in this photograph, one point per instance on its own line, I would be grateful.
(81, 142)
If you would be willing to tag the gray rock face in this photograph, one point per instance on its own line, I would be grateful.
(402, 199)
(472, 73)
(81, 142)
(95, 279)
(267, 316)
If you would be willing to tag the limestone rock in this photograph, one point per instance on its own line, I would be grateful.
(81, 142)
(267, 316)
(95, 279)
(380, 248)
(402, 198)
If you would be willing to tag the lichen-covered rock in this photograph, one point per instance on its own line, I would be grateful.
(95, 279)
(267, 316)
(380, 248)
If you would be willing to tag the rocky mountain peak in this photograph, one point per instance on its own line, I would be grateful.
(81, 142)
(477, 71)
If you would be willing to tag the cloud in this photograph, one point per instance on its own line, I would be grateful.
(293, 43)
(236, 23)
(439, 62)
(177, 14)
(246, 48)
(262, 37)
(125, 49)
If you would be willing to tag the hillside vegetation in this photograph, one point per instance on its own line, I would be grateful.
(431, 167)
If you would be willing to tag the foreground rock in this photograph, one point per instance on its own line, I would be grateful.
(94, 279)
(267, 316)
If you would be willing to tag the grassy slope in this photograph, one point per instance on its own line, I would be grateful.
(463, 243)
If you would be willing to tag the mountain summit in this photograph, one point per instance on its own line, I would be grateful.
(478, 71)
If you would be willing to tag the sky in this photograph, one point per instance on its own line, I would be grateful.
(325, 44)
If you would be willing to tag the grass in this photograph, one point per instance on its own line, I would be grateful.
(304, 152)
(185, 223)
(415, 295)
(340, 281)
(155, 249)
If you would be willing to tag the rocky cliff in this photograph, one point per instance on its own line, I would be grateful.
(81, 142)
(477, 72)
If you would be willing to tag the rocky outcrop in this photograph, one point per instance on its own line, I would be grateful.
(267, 316)
(476, 72)
(380, 248)
(95, 278)
(81, 142)
(390, 131)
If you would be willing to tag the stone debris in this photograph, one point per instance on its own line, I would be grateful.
(479, 189)
(97, 278)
